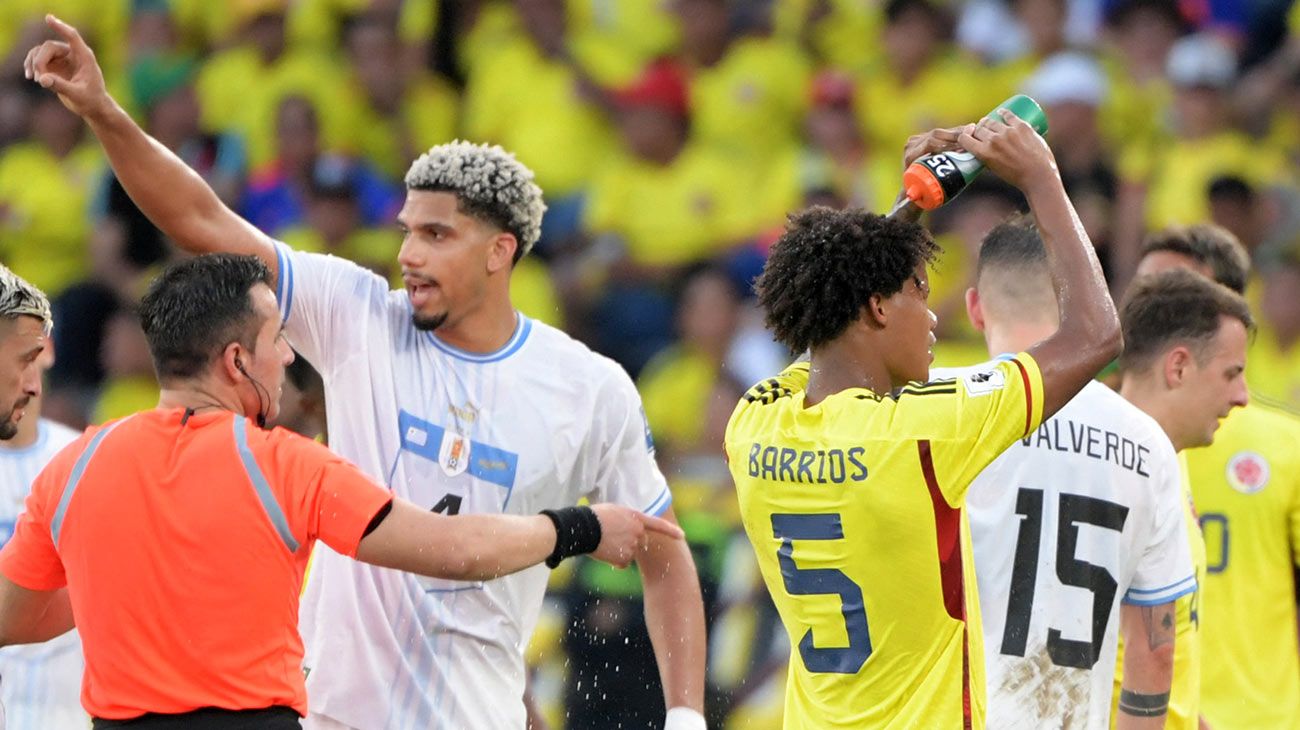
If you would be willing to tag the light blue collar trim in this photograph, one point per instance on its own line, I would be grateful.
(523, 326)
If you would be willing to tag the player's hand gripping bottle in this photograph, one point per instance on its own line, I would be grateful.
(936, 179)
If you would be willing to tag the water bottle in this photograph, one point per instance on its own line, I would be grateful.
(936, 179)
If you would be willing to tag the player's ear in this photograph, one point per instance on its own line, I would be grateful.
(974, 309)
(232, 361)
(1176, 363)
(876, 311)
(501, 254)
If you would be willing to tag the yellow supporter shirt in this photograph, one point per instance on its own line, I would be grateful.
(1178, 173)
(618, 39)
(1247, 490)
(44, 219)
(950, 91)
(533, 292)
(751, 104)
(675, 214)
(103, 23)
(1274, 373)
(1185, 689)
(854, 509)
(429, 110)
(847, 36)
(873, 185)
(239, 94)
(675, 389)
(1131, 113)
(533, 107)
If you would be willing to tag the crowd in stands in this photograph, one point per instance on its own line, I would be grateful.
(672, 138)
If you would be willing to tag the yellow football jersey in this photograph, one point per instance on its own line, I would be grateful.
(1185, 689)
(1247, 490)
(854, 508)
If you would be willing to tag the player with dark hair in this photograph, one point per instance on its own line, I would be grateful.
(452, 398)
(177, 537)
(1077, 529)
(852, 470)
(1184, 365)
(1210, 250)
(1246, 488)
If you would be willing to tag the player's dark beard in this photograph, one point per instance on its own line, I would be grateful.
(429, 324)
(9, 428)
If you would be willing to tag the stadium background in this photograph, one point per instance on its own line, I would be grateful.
(671, 137)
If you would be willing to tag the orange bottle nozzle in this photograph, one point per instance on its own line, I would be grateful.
(922, 187)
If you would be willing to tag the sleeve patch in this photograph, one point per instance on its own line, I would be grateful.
(984, 381)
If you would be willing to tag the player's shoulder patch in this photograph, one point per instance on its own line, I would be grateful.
(984, 379)
(1248, 472)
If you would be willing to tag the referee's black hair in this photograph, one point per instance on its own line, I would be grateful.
(828, 264)
(197, 307)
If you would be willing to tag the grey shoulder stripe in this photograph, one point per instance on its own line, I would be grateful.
(260, 485)
(78, 469)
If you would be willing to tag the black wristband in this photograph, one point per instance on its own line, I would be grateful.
(577, 532)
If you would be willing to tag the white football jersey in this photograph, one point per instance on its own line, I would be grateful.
(40, 684)
(541, 423)
(1085, 512)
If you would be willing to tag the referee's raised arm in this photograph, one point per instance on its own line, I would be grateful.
(172, 195)
(1089, 334)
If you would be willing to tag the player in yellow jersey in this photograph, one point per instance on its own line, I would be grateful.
(1183, 364)
(1246, 486)
(851, 470)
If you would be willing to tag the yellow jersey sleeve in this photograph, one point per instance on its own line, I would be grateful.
(966, 422)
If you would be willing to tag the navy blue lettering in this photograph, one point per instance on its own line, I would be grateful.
(785, 473)
(861, 468)
(836, 457)
(769, 462)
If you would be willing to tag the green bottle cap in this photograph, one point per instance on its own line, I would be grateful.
(1025, 108)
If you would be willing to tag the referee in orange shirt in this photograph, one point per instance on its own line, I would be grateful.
(177, 538)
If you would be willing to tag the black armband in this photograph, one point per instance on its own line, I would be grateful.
(1142, 705)
(577, 532)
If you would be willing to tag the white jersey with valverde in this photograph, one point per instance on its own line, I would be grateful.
(1082, 514)
(40, 684)
(538, 424)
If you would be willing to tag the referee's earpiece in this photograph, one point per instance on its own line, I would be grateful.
(262, 408)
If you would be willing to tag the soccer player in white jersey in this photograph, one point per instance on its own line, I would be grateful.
(41, 685)
(1077, 529)
(452, 398)
(24, 335)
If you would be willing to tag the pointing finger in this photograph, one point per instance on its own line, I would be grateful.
(67, 33)
(661, 526)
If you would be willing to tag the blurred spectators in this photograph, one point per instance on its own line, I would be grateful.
(1273, 362)
(536, 67)
(671, 138)
(45, 187)
(399, 110)
(242, 86)
(162, 90)
(278, 192)
(921, 81)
